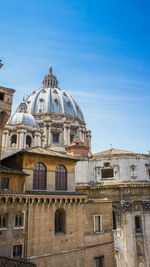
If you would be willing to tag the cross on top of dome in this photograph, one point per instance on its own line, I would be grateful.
(50, 80)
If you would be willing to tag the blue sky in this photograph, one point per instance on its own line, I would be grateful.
(100, 52)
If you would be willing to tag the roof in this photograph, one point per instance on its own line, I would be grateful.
(53, 100)
(22, 116)
(50, 99)
(4, 169)
(47, 152)
(15, 262)
(114, 151)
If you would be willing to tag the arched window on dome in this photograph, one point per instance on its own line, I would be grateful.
(28, 141)
(39, 176)
(13, 140)
(60, 221)
(60, 178)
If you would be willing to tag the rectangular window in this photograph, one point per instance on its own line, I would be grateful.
(107, 173)
(4, 183)
(148, 173)
(3, 220)
(99, 261)
(55, 138)
(1, 96)
(19, 220)
(17, 251)
(138, 227)
(98, 223)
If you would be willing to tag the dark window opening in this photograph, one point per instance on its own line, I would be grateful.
(114, 221)
(138, 227)
(19, 220)
(41, 100)
(71, 138)
(60, 221)
(149, 173)
(17, 251)
(107, 173)
(60, 178)
(39, 176)
(3, 220)
(99, 261)
(55, 138)
(28, 141)
(4, 183)
(2, 96)
(14, 139)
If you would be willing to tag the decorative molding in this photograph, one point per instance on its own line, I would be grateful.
(146, 204)
(126, 205)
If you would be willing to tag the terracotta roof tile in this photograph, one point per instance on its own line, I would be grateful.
(113, 151)
(49, 152)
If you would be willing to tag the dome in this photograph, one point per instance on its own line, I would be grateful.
(51, 99)
(21, 116)
(25, 118)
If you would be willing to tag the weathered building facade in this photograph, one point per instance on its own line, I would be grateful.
(59, 204)
(48, 222)
(123, 177)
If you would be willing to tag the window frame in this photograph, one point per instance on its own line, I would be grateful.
(100, 228)
(61, 178)
(62, 217)
(4, 183)
(2, 96)
(2, 216)
(106, 169)
(138, 230)
(53, 137)
(12, 254)
(13, 138)
(22, 213)
(28, 141)
(97, 258)
(38, 175)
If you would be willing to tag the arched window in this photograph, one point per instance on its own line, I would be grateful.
(28, 141)
(13, 139)
(60, 221)
(60, 178)
(39, 176)
(138, 227)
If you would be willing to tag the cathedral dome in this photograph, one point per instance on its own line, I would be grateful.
(22, 117)
(51, 99)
